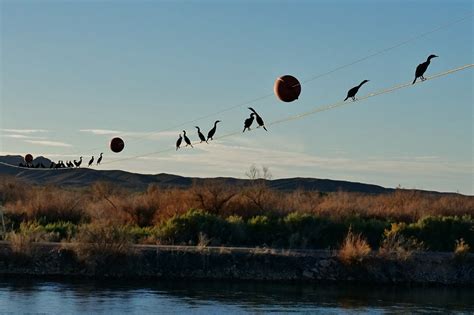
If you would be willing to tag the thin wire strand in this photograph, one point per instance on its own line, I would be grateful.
(286, 119)
(314, 111)
(379, 52)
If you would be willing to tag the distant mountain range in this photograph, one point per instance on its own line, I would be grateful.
(80, 177)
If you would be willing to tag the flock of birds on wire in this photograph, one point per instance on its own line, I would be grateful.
(60, 164)
(287, 88)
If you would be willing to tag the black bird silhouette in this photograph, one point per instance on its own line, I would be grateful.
(258, 119)
(248, 122)
(178, 143)
(352, 92)
(91, 161)
(21, 165)
(69, 164)
(186, 139)
(420, 70)
(78, 163)
(201, 136)
(212, 132)
(99, 159)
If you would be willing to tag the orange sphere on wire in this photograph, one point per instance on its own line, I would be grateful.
(287, 88)
(117, 145)
(28, 158)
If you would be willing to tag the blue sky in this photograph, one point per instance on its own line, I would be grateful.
(76, 73)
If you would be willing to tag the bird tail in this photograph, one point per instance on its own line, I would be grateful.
(346, 98)
(264, 128)
(414, 81)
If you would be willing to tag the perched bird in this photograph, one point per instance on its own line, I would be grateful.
(212, 132)
(248, 122)
(91, 161)
(201, 136)
(69, 164)
(21, 165)
(352, 92)
(52, 165)
(420, 70)
(258, 119)
(99, 159)
(186, 139)
(78, 163)
(178, 143)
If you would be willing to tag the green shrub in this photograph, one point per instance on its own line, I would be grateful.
(304, 230)
(440, 233)
(371, 229)
(264, 230)
(238, 230)
(63, 230)
(143, 234)
(186, 228)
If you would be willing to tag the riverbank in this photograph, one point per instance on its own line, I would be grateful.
(227, 263)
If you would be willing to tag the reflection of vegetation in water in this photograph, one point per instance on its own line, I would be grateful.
(247, 296)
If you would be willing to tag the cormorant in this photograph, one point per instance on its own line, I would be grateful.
(201, 136)
(420, 70)
(248, 122)
(258, 119)
(69, 164)
(186, 139)
(178, 143)
(21, 165)
(352, 92)
(91, 161)
(78, 163)
(99, 159)
(212, 132)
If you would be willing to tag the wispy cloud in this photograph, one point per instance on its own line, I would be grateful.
(23, 131)
(49, 143)
(224, 157)
(132, 134)
(22, 137)
(17, 136)
(101, 131)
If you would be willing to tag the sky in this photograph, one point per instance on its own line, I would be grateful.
(74, 74)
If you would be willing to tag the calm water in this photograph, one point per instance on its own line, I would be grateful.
(113, 297)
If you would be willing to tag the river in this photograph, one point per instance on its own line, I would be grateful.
(183, 297)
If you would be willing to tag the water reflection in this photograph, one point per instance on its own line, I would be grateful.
(154, 296)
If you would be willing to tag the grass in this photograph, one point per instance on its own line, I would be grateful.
(461, 249)
(354, 248)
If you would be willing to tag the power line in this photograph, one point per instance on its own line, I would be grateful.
(356, 61)
(286, 119)
(314, 111)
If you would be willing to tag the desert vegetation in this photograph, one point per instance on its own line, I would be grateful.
(254, 216)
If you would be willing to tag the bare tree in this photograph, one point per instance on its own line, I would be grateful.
(213, 196)
(258, 192)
